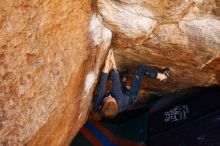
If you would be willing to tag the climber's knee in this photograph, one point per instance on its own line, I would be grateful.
(141, 69)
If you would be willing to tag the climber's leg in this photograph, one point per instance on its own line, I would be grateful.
(142, 70)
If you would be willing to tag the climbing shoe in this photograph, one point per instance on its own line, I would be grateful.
(166, 72)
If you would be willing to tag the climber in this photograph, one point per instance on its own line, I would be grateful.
(108, 104)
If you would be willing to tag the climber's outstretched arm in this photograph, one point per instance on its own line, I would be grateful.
(101, 87)
(116, 82)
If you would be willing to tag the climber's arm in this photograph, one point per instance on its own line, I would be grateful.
(100, 90)
(101, 87)
(116, 84)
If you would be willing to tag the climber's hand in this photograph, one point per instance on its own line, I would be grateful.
(112, 58)
(108, 63)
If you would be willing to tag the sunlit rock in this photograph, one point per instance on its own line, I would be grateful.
(186, 39)
(130, 20)
(51, 54)
(49, 63)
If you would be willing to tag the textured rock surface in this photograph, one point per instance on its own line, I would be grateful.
(51, 52)
(184, 37)
(48, 68)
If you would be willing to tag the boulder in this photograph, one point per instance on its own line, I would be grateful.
(52, 53)
(185, 37)
(49, 66)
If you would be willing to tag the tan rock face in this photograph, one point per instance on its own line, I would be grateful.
(184, 37)
(48, 68)
(51, 52)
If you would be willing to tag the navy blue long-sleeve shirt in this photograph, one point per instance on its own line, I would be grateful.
(121, 98)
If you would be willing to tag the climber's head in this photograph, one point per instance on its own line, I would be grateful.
(109, 107)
